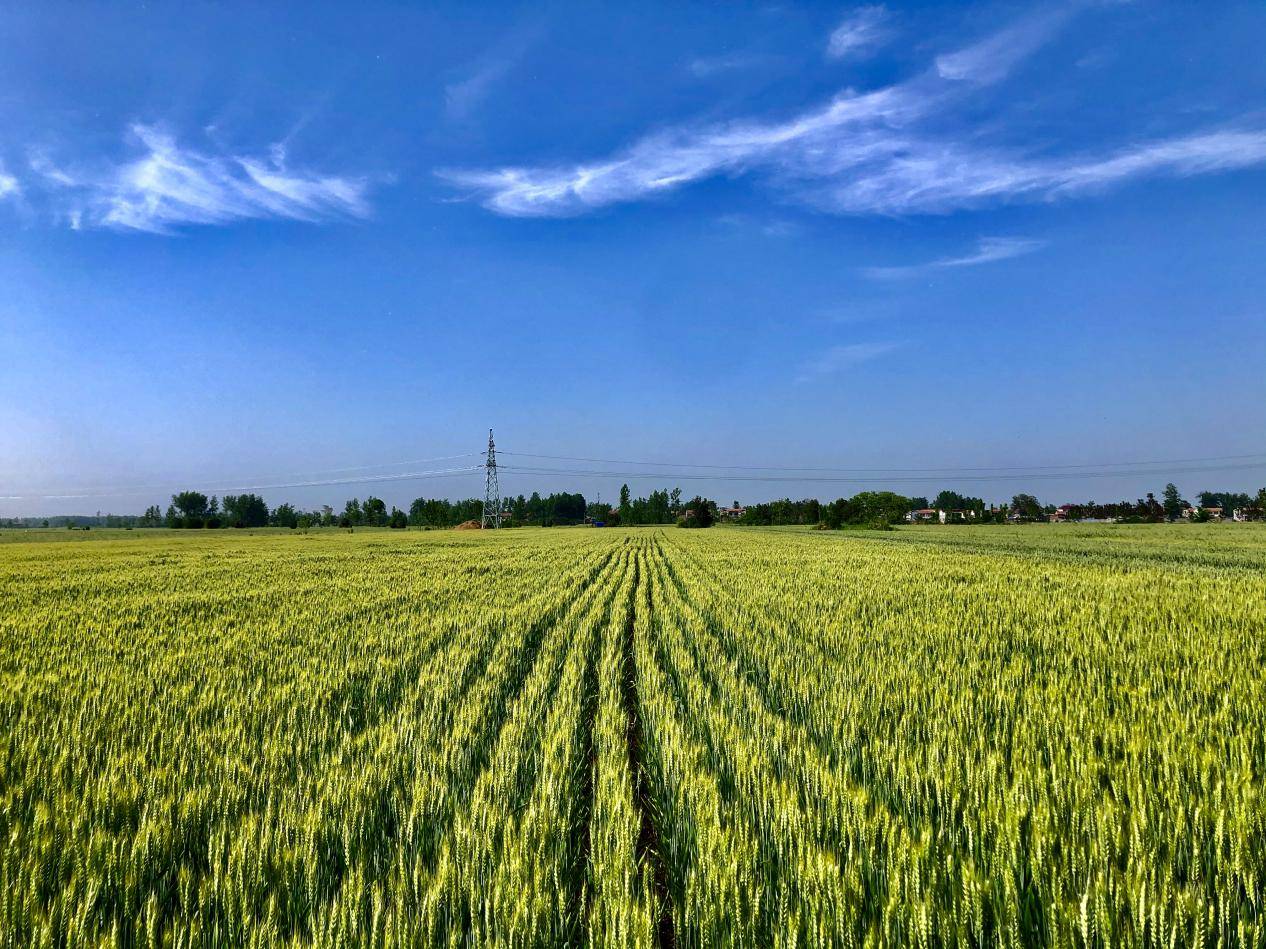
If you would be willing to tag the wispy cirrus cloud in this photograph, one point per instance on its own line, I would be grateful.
(8, 184)
(836, 359)
(988, 250)
(464, 96)
(938, 177)
(705, 67)
(889, 151)
(768, 226)
(861, 31)
(169, 186)
(992, 58)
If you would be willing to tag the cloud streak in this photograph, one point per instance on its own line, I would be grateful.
(837, 359)
(988, 250)
(992, 58)
(885, 152)
(705, 67)
(859, 32)
(171, 186)
(463, 97)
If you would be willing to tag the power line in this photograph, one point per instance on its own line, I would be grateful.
(922, 479)
(241, 485)
(370, 479)
(946, 471)
(714, 472)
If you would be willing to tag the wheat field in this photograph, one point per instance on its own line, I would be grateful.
(933, 737)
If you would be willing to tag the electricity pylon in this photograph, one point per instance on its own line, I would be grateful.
(492, 493)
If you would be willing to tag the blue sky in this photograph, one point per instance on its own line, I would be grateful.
(245, 246)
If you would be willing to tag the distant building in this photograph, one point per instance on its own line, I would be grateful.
(923, 515)
(1215, 513)
(733, 513)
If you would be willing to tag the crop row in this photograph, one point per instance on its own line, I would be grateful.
(633, 738)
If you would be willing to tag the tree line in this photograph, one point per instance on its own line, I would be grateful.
(195, 510)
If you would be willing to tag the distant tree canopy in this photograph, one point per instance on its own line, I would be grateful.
(352, 515)
(603, 512)
(1227, 500)
(953, 501)
(700, 512)
(193, 509)
(424, 512)
(1027, 506)
(1172, 502)
(550, 511)
(786, 511)
(284, 515)
(656, 509)
(245, 510)
(374, 511)
(868, 508)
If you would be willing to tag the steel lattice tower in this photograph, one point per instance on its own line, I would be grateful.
(492, 492)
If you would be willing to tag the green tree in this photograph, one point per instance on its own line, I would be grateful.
(699, 513)
(1172, 502)
(375, 511)
(871, 507)
(949, 501)
(1026, 506)
(245, 510)
(193, 507)
(284, 515)
(833, 514)
(352, 514)
(399, 520)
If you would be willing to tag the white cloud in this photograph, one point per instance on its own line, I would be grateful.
(988, 250)
(42, 165)
(461, 98)
(464, 96)
(935, 177)
(886, 151)
(666, 160)
(8, 184)
(171, 186)
(705, 67)
(838, 358)
(769, 227)
(996, 55)
(862, 30)
(1180, 157)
